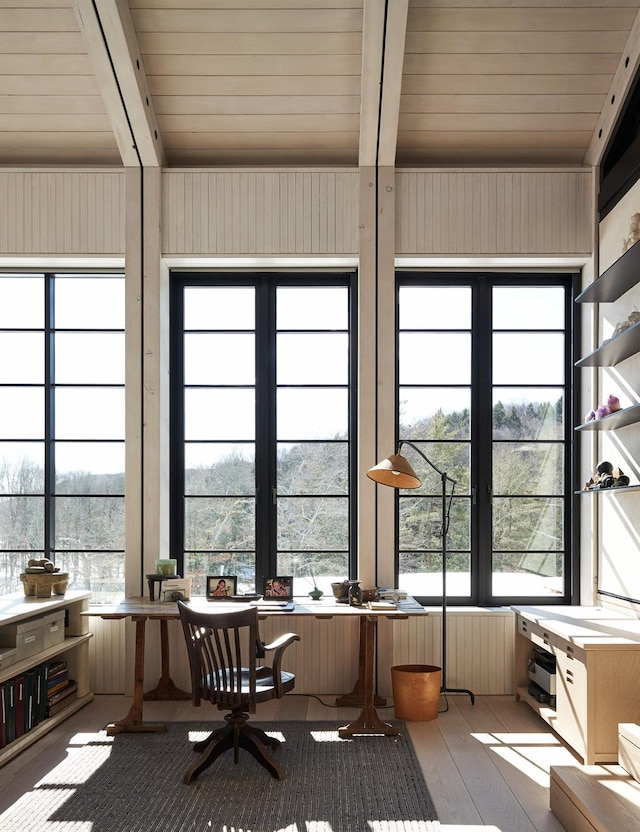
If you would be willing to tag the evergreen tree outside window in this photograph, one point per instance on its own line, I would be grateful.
(485, 390)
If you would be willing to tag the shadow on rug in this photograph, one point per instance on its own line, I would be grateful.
(133, 783)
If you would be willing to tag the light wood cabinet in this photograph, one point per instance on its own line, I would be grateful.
(597, 654)
(74, 648)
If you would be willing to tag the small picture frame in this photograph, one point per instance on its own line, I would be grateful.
(220, 587)
(278, 587)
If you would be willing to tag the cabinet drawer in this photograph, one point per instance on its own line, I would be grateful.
(53, 628)
(535, 633)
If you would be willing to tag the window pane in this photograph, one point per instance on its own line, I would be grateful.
(522, 469)
(22, 523)
(219, 414)
(421, 524)
(451, 458)
(435, 307)
(523, 574)
(100, 572)
(89, 302)
(528, 307)
(89, 358)
(313, 468)
(219, 523)
(435, 412)
(21, 412)
(93, 458)
(312, 307)
(435, 358)
(219, 307)
(313, 359)
(312, 414)
(421, 574)
(200, 564)
(21, 301)
(219, 359)
(89, 522)
(21, 468)
(528, 523)
(528, 358)
(89, 413)
(89, 468)
(326, 568)
(313, 523)
(27, 358)
(534, 413)
(220, 468)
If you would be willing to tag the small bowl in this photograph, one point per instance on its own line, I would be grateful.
(340, 590)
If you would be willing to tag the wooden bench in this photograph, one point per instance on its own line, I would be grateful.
(600, 798)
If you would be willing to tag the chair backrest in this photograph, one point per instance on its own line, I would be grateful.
(222, 648)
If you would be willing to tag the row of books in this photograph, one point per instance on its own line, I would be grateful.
(31, 697)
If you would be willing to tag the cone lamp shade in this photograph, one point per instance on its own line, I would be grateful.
(395, 471)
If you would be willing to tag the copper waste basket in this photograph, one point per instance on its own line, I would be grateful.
(416, 691)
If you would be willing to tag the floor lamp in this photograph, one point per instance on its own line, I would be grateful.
(397, 472)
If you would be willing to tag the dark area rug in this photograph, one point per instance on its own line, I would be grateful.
(133, 783)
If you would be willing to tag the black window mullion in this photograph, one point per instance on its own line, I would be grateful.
(49, 417)
(265, 404)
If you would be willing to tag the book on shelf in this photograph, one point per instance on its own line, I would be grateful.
(10, 710)
(20, 700)
(61, 700)
(388, 594)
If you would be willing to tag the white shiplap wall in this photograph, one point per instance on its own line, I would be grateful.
(325, 661)
(494, 212)
(259, 212)
(62, 213)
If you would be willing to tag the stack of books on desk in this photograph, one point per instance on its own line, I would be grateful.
(387, 594)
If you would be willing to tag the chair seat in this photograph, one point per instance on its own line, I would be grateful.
(265, 683)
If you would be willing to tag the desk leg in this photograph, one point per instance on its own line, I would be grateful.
(368, 722)
(357, 695)
(165, 689)
(132, 723)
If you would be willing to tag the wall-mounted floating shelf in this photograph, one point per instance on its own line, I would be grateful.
(618, 419)
(621, 276)
(615, 350)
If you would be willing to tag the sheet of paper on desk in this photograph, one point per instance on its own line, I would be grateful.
(285, 606)
(382, 605)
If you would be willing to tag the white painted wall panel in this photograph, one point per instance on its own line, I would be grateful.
(490, 212)
(62, 212)
(209, 213)
(325, 661)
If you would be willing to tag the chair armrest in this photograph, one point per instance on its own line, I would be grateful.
(278, 647)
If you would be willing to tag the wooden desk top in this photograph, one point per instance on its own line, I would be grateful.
(324, 608)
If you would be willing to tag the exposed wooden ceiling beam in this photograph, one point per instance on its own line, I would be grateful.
(373, 23)
(392, 81)
(113, 49)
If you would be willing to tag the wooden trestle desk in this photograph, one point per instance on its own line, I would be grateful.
(363, 694)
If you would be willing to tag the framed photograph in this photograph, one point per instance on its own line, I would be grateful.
(220, 587)
(278, 587)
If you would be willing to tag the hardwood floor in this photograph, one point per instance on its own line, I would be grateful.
(486, 765)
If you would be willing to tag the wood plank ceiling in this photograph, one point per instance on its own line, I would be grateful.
(312, 82)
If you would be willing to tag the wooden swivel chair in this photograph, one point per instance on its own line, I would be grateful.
(224, 648)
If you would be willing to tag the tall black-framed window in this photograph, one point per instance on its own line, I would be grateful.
(62, 427)
(262, 416)
(485, 390)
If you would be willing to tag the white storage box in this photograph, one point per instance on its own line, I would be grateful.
(8, 656)
(53, 628)
(27, 637)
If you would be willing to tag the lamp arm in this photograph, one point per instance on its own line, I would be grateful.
(443, 474)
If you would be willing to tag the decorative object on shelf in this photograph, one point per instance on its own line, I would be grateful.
(621, 326)
(606, 476)
(340, 590)
(612, 405)
(397, 472)
(176, 589)
(41, 578)
(167, 567)
(315, 594)
(355, 594)
(634, 233)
